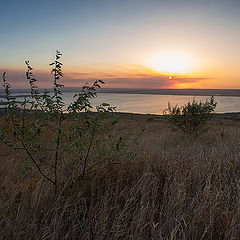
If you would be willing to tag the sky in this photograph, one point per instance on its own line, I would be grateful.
(127, 43)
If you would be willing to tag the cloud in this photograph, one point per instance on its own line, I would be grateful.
(127, 76)
(189, 80)
(137, 82)
(150, 82)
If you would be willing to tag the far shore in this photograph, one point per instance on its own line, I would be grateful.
(182, 92)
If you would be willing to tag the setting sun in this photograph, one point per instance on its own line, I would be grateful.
(174, 63)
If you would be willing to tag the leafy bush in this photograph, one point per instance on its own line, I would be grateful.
(48, 132)
(191, 118)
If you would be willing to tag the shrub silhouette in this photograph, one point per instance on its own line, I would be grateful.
(40, 115)
(192, 118)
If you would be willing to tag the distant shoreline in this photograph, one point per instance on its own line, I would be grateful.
(180, 92)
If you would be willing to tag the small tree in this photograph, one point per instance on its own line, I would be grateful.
(49, 133)
(192, 118)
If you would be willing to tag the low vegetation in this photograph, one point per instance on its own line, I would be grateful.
(92, 175)
(192, 118)
(169, 189)
(49, 132)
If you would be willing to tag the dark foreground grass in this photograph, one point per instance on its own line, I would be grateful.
(175, 188)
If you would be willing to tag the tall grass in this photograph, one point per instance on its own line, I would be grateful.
(172, 189)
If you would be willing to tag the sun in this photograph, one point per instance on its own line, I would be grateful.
(171, 63)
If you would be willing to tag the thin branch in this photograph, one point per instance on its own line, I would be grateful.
(88, 151)
(56, 152)
(36, 164)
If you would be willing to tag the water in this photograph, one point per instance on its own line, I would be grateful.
(156, 104)
(153, 104)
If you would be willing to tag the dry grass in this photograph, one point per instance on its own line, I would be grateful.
(176, 188)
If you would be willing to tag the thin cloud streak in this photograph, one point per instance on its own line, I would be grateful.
(128, 76)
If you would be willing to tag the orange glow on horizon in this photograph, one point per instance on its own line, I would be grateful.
(130, 76)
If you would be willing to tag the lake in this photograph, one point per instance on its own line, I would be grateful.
(156, 104)
(152, 103)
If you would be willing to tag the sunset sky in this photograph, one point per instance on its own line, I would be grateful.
(127, 43)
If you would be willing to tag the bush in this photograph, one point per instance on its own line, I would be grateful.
(48, 132)
(192, 118)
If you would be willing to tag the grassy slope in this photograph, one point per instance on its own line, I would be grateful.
(176, 188)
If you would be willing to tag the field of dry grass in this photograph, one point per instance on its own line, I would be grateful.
(173, 188)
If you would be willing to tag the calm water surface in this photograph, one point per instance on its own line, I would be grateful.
(155, 104)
